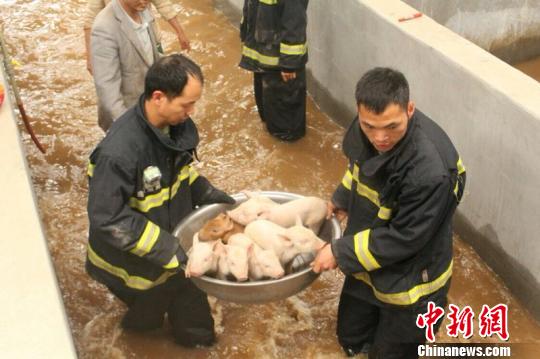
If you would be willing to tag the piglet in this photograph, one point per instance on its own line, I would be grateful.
(311, 210)
(303, 238)
(248, 211)
(271, 236)
(201, 258)
(233, 260)
(264, 263)
(221, 226)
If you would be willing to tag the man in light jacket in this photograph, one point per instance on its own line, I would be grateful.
(123, 47)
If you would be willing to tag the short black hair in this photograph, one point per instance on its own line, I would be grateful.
(380, 87)
(170, 75)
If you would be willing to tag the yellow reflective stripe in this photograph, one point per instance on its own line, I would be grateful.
(263, 59)
(461, 170)
(293, 49)
(384, 213)
(157, 199)
(147, 239)
(193, 174)
(173, 263)
(460, 166)
(184, 174)
(151, 201)
(90, 169)
(135, 282)
(412, 295)
(347, 180)
(361, 248)
(269, 2)
(367, 192)
(364, 190)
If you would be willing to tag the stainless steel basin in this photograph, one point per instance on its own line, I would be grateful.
(254, 291)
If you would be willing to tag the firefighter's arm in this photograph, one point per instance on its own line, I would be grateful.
(111, 186)
(422, 209)
(203, 192)
(342, 194)
(293, 45)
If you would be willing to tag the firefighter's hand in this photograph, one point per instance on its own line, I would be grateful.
(217, 196)
(324, 261)
(331, 209)
(286, 76)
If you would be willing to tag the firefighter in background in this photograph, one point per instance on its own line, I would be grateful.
(274, 48)
(400, 191)
(141, 184)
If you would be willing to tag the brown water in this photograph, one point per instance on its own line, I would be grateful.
(236, 153)
(530, 67)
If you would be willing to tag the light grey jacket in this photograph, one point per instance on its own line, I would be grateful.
(118, 61)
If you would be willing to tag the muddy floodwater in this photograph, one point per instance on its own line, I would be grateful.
(530, 67)
(236, 153)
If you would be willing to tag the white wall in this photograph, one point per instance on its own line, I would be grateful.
(510, 29)
(33, 322)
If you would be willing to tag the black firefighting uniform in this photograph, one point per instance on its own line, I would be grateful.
(273, 35)
(396, 251)
(131, 249)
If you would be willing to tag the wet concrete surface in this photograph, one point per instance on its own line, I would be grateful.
(236, 153)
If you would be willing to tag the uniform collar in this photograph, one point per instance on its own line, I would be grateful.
(357, 147)
(182, 137)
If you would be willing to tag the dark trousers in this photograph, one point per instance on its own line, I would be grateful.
(388, 332)
(186, 306)
(282, 105)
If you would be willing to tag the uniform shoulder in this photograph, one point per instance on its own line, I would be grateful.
(123, 142)
(434, 152)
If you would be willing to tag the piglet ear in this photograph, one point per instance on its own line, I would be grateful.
(299, 221)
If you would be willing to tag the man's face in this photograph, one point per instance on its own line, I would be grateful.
(386, 129)
(136, 5)
(178, 109)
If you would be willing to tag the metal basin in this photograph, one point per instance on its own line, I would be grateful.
(254, 291)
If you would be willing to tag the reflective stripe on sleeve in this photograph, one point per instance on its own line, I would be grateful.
(299, 49)
(263, 59)
(173, 263)
(147, 240)
(461, 170)
(347, 180)
(135, 282)
(90, 169)
(269, 2)
(460, 166)
(361, 248)
(412, 295)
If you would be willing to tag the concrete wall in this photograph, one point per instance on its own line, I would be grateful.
(489, 109)
(510, 29)
(33, 322)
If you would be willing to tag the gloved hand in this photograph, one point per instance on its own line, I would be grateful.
(214, 195)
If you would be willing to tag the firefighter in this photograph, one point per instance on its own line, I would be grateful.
(274, 48)
(399, 193)
(141, 184)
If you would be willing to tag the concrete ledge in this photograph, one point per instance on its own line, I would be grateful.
(33, 323)
(489, 109)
